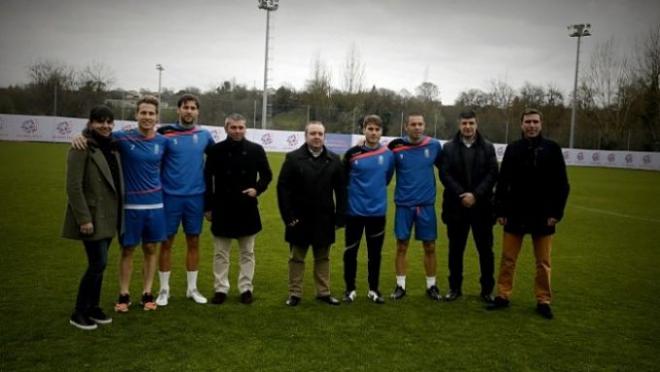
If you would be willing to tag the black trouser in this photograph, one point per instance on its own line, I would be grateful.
(89, 292)
(482, 231)
(374, 228)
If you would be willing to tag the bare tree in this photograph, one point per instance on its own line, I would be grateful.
(96, 77)
(609, 93)
(427, 91)
(501, 95)
(49, 81)
(353, 71)
(648, 72)
(472, 98)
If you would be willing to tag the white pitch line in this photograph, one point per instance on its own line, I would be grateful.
(602, 211)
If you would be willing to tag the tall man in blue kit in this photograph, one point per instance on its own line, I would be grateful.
(369, 169)
(183, 192)
(142, 151)
(414, 197)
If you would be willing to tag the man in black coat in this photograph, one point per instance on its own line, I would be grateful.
(530, 198)
(236, 172)
(468, 172)
(311, 194)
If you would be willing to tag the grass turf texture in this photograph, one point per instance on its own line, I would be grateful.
(605, 271)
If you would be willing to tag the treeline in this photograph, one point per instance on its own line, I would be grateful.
(618, 100)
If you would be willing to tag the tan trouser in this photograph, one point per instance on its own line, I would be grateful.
(221, 263)
(510, 249)
(321, 269)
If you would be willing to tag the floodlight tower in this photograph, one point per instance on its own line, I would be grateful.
(160, 69)
(578, 30)
(268, 6)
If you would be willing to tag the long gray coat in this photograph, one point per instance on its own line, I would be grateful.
(92, 195)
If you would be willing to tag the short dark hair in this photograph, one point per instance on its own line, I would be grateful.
(315, 122)
(467, 114)
(186, 98)
(100, 114)
(531, 111)
(414, 113)
(151, 100)
(372, 119)
(235, 117)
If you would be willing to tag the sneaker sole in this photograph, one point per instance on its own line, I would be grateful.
(160, 302)
(83, 327)
(101, 321)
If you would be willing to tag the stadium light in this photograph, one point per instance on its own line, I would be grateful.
(268, 6)
(160, 69)
(578, 30)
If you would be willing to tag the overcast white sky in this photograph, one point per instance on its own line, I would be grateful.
(455, 44)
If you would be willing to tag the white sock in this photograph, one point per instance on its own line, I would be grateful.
(192, 279)
(164, 278)
(401, 281)
(430, 281)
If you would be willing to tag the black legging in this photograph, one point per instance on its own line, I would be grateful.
(374, 227)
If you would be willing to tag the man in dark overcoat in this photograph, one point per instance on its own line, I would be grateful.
(311, 194)
(236, 172)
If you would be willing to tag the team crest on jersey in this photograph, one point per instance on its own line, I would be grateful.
(427, 153)
(175, 141)
(156, 149)
(381, 160)
(195, 138)
(355, 163)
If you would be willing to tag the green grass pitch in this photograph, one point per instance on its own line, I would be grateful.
(606, 267)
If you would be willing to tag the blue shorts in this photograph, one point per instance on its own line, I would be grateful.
(423, 217)
(188, 210)
(146, 225)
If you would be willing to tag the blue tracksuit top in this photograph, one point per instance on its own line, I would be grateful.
(140, 164)
(183, 165)
(415, 177)
(368, 172)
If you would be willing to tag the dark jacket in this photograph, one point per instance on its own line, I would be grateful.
(532, 186)
(312, 191)
(456, 180)
(231, 167)
(92, 195)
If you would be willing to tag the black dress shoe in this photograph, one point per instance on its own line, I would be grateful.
(219, 298)
(487, 298)
(498, 303)
(293, 301)
(452, 295)
(544, 310)
(246, 297)
(328, 300)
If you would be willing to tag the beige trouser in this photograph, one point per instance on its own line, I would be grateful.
(221, 263)
(321, 269)
(510, 249)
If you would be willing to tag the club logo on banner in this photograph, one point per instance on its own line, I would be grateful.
(215, 135)
(580, 156)
(611, 158)
(292, 140)
(500, 150)
(3, 126)
(64, 128)
(646, 159)
(267, 139)
(629, 158)
(595, 156)
(127, 127)
(30, 129)
(567, 154)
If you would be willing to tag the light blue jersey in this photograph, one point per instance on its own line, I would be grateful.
(183, 166)
(369, 171)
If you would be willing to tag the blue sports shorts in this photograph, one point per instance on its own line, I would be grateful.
(187, 210)
(143, 225)
(423, 217)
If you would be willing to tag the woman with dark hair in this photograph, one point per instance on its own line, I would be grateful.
(93, 213)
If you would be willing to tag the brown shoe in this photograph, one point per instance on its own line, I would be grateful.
(246, 297)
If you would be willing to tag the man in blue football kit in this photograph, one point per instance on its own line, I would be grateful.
(414, 197)
(141, 152)
(369, 169)
(183, 192)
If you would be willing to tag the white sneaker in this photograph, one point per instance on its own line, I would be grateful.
(196, 296)
(163, 297)
(349, 296)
